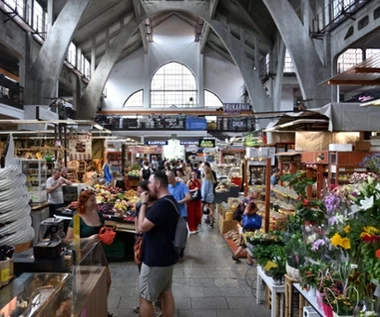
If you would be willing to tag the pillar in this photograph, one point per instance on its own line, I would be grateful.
(201, 87)
(93, 55)
(277, 90)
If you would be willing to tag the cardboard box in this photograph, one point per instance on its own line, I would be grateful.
(362, 146)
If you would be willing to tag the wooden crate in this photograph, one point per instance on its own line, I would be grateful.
(268, 301)
(289, 295)
(226, 225)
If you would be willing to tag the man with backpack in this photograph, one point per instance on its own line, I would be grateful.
(145, 171)
(164, 232)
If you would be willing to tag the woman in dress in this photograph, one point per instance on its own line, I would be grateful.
(91, 221)
(208, 194)
(194, 212)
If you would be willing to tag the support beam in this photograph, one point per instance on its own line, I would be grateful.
(143, 38)
(206, 32)
(89, 102)
(277, 90)
(45, 72)
(213, 6)
(93, 55)
(220, 52)
(367, 70)
(252, 23)
(354, 82)
(309, 69)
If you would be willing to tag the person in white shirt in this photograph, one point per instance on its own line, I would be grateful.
(54, 190)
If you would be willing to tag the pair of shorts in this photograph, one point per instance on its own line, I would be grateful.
(154, 280)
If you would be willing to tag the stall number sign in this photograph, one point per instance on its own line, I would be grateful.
(80, 147)
(206, 143)
(238, 124)
(156, 142)
(236, 107)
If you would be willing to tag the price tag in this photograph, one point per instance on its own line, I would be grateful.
(76, 240)
(5, 275)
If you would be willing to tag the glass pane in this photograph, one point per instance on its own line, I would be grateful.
(349, 58)
(212, 100)
(135, 100)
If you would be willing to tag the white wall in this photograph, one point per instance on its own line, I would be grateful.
(173, 40)
(287, 99)
(222, 78)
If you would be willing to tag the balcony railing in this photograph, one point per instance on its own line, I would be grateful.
(11, 93)
(334, 14)
(180, 122)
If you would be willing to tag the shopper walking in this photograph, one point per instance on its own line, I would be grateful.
(181, 194)
(54, 190)
(194, 212)
(158, 254)
(143, 187)
(145, 171)
(208, 196)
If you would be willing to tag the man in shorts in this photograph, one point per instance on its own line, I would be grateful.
(158, 254)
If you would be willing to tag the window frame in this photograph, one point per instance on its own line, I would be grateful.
(133, 94)
(213, 93)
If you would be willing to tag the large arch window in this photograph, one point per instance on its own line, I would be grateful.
(135, 100)
(173, 85)
(349, 58)
(212, 100)
(369, 52)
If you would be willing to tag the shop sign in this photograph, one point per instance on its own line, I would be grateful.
(171, 122)
(189, 142)
(146, 149)
(159, 143)
(236, 108)
(80, 147)
(206, 143)
(237, 123)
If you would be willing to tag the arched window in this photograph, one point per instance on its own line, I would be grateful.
(212, 100)
(135, 100)
(371, 51)
(349, 58)
(173, 85)
(288, 63)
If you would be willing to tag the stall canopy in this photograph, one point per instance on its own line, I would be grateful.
(339, 117)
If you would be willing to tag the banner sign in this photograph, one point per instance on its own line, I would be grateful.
(189, 142)
(206, 143)
(80, 147)
(156, 143)
(236, 108)
(194, 123)
(238, 123)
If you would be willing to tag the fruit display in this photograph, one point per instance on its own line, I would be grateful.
(134, 174)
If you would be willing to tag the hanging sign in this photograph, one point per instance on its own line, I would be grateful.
(236, 108)
(80, 147)
(189, 142)
(156, 143)
(206, 143)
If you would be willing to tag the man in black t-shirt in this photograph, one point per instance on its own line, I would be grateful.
(158, 254)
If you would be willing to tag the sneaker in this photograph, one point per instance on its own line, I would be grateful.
(211, 225)
(136, 309)
(157, 312)
(236, 259)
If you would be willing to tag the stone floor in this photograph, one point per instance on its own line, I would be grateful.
(206, 284)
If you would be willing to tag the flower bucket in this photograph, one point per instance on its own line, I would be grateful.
(327, 310)
(312, 292)
(292, 272)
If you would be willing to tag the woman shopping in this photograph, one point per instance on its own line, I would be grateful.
(91, 221)
(207, 192)
(194, 212)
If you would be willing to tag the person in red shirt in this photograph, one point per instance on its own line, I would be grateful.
(194, 212)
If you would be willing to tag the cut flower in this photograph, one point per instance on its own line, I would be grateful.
(366, 203)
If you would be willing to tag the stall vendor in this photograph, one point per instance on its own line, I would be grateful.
(54, 190)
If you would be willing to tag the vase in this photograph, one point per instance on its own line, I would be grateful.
(312, 292)
(292, 272)
(327, 310)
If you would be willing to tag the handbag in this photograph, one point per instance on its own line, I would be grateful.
(137, 250)
(107, 235)
(196, 194)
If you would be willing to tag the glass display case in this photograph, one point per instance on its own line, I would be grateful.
(80, 292)
(35, 172)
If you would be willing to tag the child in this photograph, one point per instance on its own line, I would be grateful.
(250, 222)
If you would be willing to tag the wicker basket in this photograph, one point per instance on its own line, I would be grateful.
(292, 272)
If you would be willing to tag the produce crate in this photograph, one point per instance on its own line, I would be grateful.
(115, 251)
(226, 225)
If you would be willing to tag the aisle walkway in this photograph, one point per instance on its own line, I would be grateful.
(206, 284)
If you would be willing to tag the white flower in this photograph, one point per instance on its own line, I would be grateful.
(340, 219)
(370, 179)
(377, 187)
(366, 203)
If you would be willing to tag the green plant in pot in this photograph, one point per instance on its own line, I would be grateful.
(296, 252)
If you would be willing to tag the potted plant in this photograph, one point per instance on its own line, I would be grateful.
(309, 273)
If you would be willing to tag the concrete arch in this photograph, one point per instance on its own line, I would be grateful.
(88, 103)
(45, 72)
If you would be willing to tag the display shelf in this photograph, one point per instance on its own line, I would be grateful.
(35, 172)
(312, 300)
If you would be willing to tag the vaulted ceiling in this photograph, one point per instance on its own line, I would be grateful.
(103, 19)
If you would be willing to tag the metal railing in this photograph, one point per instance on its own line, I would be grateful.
(179, 122)
(334, 14)
(11, 93)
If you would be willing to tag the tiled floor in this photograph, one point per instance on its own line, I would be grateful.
(206, 284)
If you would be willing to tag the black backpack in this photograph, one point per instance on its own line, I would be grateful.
(146, 173)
